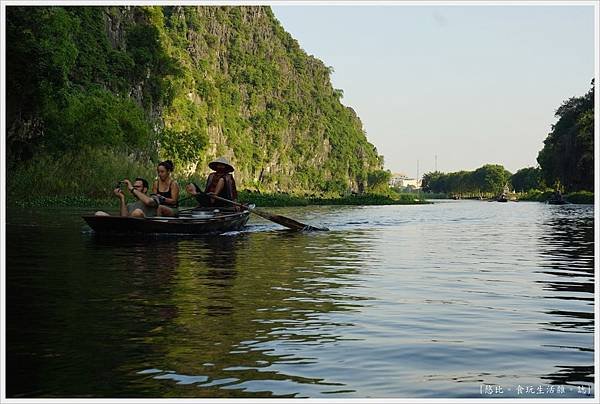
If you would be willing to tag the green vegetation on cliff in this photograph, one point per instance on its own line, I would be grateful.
(140, 84)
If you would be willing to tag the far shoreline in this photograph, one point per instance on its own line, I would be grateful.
(287, 200)
(259, 199)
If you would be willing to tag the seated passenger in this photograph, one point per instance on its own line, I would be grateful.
(167, 189)
(145, 206)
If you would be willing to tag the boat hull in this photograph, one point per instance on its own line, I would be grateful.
(205, 224)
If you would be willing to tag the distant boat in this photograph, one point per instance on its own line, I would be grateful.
(553, 202)
(504, 196)
(557, 199)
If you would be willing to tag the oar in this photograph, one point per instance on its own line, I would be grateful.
(282, 220)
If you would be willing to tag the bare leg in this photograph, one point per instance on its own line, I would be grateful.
(165, 211)
(138, 213)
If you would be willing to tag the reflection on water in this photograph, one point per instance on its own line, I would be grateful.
(567, 249)
(418, 301)
(235, 314)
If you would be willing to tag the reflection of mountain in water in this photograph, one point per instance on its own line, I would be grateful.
(567, 246)
(77, 324)
(243, 304)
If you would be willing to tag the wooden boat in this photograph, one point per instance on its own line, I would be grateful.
(556, 201)
(503, 197)
(197, 221)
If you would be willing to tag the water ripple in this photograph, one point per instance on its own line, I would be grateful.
(396, 301)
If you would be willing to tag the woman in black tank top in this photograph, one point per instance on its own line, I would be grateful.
(166, 194)
(167, 188)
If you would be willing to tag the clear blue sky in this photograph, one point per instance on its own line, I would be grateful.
(470, 84)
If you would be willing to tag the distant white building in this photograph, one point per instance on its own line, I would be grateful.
(402, 181)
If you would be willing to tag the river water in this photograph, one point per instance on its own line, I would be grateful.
(452, 299)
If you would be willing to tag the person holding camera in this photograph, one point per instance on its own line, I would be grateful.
(145, 206)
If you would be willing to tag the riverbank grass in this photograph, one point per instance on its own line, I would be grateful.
(258, 199)
(536, 195)
(88, 178)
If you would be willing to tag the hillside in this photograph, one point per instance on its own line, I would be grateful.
(185, 83)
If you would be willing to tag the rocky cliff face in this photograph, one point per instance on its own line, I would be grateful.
(210, 81)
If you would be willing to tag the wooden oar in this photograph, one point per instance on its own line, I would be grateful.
(282, 220)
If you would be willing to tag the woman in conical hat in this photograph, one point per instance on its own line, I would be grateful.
(220, 183)
(221, 165)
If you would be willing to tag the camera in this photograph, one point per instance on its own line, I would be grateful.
(119, 184)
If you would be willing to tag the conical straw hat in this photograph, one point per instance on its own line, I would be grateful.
(221, 160)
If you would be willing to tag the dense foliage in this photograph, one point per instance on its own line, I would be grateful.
(567, 159)
(527, 179)
(378, 181)
(185, 83)
(97, 170)
(579, 197)
(489, 179)
(64, 91)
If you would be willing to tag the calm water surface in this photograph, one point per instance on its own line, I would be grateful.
(454, 299)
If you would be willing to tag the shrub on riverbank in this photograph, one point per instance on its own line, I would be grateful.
(72, 177)
(88, 178)
(370, 199)
(65, 202)
(433, 195)
(536, 195)
(581, 197)
(260, 200)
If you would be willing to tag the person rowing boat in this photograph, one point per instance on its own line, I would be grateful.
(220, 183)
(220, 191)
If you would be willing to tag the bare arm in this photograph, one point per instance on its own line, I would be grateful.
(219, 188)
(208, 181)
(174, 194)
(191, 189)
(123, 209)
(155, 187)
(122, 205)
(145, 199)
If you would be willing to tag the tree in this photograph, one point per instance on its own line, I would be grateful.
(526, 179)
(568, 153)
(491, 178)
(431, 182)
(378, 180)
